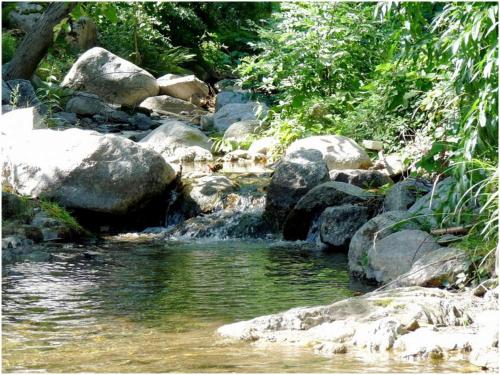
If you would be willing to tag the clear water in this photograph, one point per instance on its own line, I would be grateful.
(155, 307)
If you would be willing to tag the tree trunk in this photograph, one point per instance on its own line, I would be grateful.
(36, 43)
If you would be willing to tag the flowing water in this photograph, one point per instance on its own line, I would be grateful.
(155, 307)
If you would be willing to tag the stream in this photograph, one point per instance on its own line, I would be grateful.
(154, 306)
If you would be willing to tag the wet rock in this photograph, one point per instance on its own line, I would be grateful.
(85, 170)
(338, 152)
(404, 194)
(168, 104)
(172, 136)
(396, 254)
(52, 228)
(230, 97)
(231, 113)
(375, 229)
(207, 192)
(438, 268)
(338, 224)
(293, 177)
(14, 242)
(185, 87)
(314, 202)
(360, 177)
(241, 130)
(119, 82)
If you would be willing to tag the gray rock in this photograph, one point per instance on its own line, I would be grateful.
(392, 165)
(207, 192)
(264, 146)
(375, 229)
(192, 154)
(85, 170)
(68, 117)
(110, 77)
(230, 97)
(86, 104)
(404, 194)
(314, 202)
(436, 269)
(241, 130)
(207, 121)
(141, 122)
(426, 208)
(168, 104)
(174, 135)
(185, 87)
(231, 113)
(339, 224)
(395, 254)
(24, 21)
(242, 156)
(338, 152)
(293, 177)
(362, 178)
(21, 94)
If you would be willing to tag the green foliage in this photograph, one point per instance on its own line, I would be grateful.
(9, 45)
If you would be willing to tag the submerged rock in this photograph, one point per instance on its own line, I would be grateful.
(338, 152)
(112, 78)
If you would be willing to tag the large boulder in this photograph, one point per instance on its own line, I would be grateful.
(438, 268)
(241, 130)
(362, 178)
(337, 225)
(314, 202)
(21, 121)
(230, 97)
(111, 78)
(404, 194)
(84, 170)
(168, 104)
(174, 135)
(338, 152)
(395, 254)
(375, 229)
(231, 113)
(185, 87)
(293, 177)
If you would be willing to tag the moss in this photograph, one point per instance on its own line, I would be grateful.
(383, 302)
(59, 213)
